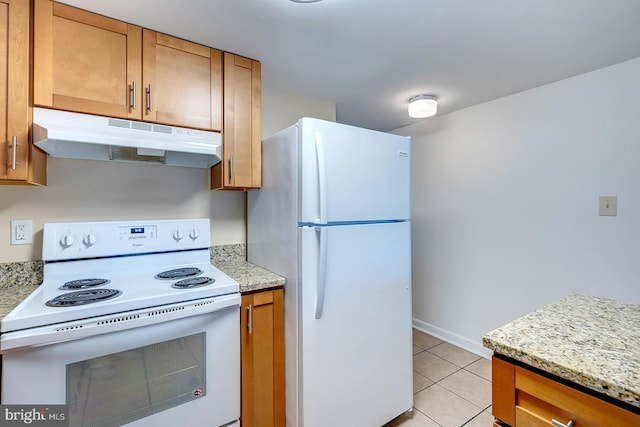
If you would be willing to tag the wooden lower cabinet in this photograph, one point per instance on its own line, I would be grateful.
(262, 347)
(523, 398)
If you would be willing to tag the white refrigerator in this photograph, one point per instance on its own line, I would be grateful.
(333, 218)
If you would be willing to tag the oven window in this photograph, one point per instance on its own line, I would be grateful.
(119, 388)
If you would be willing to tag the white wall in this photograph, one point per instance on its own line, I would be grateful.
(281, 109)
(505, 203)
(84, 190)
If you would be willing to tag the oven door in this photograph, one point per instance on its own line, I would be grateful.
(184, 371)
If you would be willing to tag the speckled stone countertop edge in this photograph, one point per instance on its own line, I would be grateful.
(251, 277)
(625, 389)
(231, 260)
(19, 279)
(26, 273)
(596, 384)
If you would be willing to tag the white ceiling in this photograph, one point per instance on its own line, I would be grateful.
(371, 56)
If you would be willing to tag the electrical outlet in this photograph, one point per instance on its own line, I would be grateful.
(21, 232)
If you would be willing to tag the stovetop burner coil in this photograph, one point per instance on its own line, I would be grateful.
(193, 282)
(83, 297)
(178, 273)
(84, 284)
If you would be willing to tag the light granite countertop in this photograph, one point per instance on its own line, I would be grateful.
(19, 279)
(231, 260)
(590, 341)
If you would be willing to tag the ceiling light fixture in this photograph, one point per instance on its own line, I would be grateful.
(422, 106)
(305, 1)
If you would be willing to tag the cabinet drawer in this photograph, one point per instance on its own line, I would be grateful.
(540, 399)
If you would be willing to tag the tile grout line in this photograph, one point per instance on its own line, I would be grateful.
(463, 368)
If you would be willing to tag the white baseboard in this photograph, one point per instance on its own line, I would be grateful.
(455, 339)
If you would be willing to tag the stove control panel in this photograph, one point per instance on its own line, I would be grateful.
(65, 241)
(138, 232)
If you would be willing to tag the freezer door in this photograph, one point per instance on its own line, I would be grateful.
(355, 333)
(352, 174)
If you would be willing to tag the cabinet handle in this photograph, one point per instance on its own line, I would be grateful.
(250, 319)
(557, 423)
(230, 168)
(150, 98)
(133, 95)
(14, 149)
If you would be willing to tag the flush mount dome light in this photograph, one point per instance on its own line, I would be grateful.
(305, 1)
(422, 106)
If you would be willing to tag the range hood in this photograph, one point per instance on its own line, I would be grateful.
(84, 136)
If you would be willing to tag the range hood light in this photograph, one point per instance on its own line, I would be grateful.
(128, 154)
(151, 152)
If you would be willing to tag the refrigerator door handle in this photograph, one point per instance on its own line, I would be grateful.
(322, 178)
(322, 271)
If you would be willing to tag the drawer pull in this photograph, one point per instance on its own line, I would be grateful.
(557, 423)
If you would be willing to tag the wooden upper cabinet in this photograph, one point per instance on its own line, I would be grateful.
(20, 161)
(241, 166)
(182, 82)
(86, 62)
(93, 64)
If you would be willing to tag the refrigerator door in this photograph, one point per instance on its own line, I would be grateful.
(354, 352)
(351, 174)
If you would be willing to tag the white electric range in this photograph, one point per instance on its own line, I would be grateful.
(127, 308)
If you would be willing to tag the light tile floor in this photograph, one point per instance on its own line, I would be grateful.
(451, 386)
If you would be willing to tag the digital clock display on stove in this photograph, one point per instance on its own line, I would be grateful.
(138, 232)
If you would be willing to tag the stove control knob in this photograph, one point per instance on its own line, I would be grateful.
(90, 240)
(68, 240)
(194, 234)
(178, 235)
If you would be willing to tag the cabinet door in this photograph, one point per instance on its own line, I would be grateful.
(86, 62)
(20, 162)
(262, 323)
(241, 166)
(182, 82)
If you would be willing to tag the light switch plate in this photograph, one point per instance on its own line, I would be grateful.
(608, 205)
